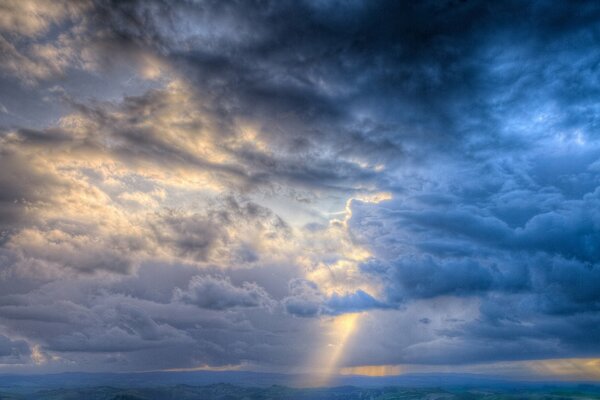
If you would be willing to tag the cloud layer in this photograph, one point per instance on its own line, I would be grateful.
(209, 184)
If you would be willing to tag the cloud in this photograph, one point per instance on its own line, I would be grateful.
(307, 300)
(220, 294)
(354, 302)
(28, 55)
(32, 18)
(423, 278)
(190, 236)
(13, 351)
(149, 320)
(23, 184)
(521, 251)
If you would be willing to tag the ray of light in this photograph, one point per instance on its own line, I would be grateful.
(326, 363)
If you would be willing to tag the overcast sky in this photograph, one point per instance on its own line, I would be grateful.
(326, 186)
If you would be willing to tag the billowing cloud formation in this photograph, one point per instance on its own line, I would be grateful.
(203, 184)
(307, 300)
(219, 294)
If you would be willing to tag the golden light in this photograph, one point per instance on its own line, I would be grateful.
(340, 277)
(326, 364)
(568, 368)
(372, 370)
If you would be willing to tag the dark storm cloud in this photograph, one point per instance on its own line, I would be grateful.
(427, 278)
(382, 82)
(526, 250)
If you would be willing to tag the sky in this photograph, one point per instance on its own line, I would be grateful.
(309, 187)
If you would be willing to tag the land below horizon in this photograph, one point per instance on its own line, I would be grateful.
(223, 391)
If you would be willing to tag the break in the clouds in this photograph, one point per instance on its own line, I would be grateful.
(214, 184)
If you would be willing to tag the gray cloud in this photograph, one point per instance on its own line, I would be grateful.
(219, 294)
(306, 300)
(13, 351)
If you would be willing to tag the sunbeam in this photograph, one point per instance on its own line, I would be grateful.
(326, 364)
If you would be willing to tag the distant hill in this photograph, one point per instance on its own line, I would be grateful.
(27, 383)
